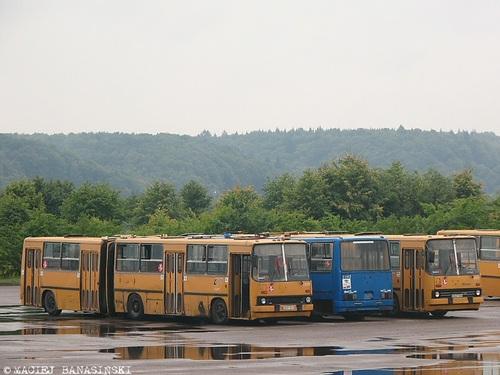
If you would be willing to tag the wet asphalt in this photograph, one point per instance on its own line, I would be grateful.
(460, 343)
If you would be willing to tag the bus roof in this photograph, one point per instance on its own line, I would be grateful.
(348, 237)
(70, 239)
(470, 232)
(196, 239)
(422, 237)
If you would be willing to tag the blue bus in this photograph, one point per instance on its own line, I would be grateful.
(351, 274)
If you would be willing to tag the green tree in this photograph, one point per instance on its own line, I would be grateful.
(280, 192)
(311, 195)
(195, 197)
(465, 186)
(398, 189)
(158, 196)
(351, 188)
(54, 192)
(239, 209)
(434, 188)
(89, 200)
(25, 190)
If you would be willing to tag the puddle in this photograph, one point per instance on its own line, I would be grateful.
(246, 351)
(217, 352)
(158, 339)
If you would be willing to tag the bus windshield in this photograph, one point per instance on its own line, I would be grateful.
(280, 262)
(364, 255)
(451, 257)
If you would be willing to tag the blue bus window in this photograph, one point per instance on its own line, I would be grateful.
(320, 257)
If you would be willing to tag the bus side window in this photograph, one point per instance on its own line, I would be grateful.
(196, 259)
(217, 259)
(320, 257)
(52, 255)
(70, 256)
(395, 255)
(127, 258)
(151, 257)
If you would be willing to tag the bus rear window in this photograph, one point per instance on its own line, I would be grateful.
(364, 255)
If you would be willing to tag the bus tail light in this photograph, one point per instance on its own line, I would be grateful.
(386, 294)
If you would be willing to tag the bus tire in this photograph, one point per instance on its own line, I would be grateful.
(439, 314)
(50, 304)
(135, 307)
(396, 308)
(218, 312)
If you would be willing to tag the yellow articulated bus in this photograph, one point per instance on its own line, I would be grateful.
(435, 274)
(199, 276)
(488, 245)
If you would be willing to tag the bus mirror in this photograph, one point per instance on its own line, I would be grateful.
(431, 256)
(459, 259)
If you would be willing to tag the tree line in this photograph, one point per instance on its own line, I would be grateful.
(132, 162)
(345, 194)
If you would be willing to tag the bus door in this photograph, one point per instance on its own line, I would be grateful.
(408, 279)
(419, 269)
(89, 281)
(173, 287)
(32, 279)
(240, 285)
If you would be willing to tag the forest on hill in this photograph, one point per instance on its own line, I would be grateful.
(132, 162)
(344, 194)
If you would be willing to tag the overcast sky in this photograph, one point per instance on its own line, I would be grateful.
(185, 66)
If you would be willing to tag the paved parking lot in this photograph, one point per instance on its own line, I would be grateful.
(461, 343)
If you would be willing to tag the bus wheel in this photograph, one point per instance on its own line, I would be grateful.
(135, 308)
(218, 312)
(396, 309)
(50, 304)
(438, 314)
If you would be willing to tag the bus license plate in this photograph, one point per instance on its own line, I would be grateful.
(457, 295)
(288, 307)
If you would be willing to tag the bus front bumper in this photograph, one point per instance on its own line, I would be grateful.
(457, 301)
(288, 309)
(363, 306)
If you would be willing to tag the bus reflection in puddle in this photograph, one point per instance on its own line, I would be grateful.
(217, 352)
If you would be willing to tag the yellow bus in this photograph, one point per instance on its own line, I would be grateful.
(488, 244)
(200, 276)
(435, 273)
(64, 273)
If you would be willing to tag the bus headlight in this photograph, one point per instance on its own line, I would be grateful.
(436, 294)
(478, 292)
(308, 299)
(263, 301)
